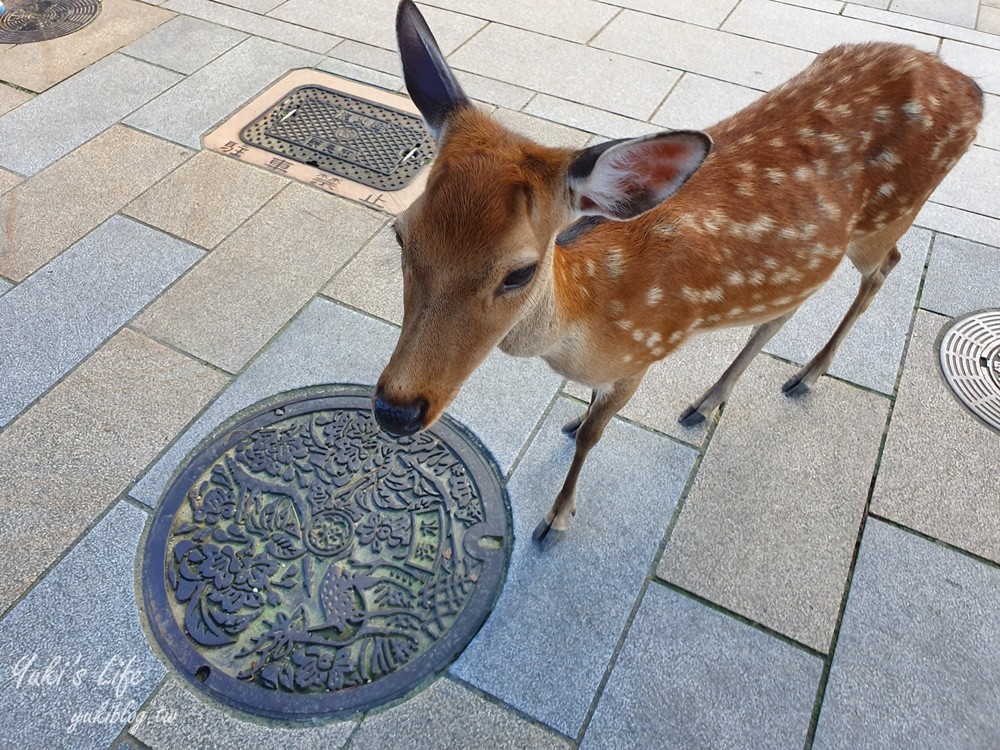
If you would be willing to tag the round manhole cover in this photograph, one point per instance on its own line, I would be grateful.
(302, 563)
(39, 20)
(970, 363)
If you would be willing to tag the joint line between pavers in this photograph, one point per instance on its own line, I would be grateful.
(940, 542)
(357, 252)
(534, 433)
(600, 30)
(663, 101)
(174, 348)
(149, 699)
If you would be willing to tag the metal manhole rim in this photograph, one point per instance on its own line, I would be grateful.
(953, 328)
(77, 14)
(179, 652)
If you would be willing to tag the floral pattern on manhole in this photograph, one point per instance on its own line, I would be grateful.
(302, 563)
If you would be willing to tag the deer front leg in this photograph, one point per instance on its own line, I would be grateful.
(603, 407)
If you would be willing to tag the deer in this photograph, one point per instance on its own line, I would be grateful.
(605, 259)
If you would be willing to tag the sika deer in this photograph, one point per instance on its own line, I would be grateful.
(680, 236)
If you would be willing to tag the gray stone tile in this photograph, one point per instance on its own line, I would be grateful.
(924, 26)
(575, 20)
(96, 180)
(716, 54)
(82, 619)
(989, 19)
(960, 223)
(8, 181)
(958, 12)
(883, 4)
(251, 23)
(5, 286)
(917, 663)
(587, 118)
(51, 125)
(11, 98)
(672, 384)
(195, 105)
(550, 638)
(57, 317)
(543, 131)
(360, 73)
(502, 402)
(368, 56)
(769, 526)
(962, 277)
(373, 280)
(76, 450)
(971, 185)
(207, 198)
(827, 6)
(981, 63)
(184, 44)
(697, 102)
(814, 30)
(255, 6)
(614, 82)
(374, 21)
(705, 12)
(871, 354)
(935, 475)
(691, 677)
(450, 715)
(283, 254)
(198, 719)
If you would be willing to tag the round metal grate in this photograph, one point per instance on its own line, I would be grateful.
(40, 20)
(970, 363)
(304, 564)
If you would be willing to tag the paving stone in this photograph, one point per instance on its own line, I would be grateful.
(50, 126)
(698, 102)
(41, 65)
(917, 663)
(813, 30)
(5, 286)
(198, 103)
(971, 185)
(96, 180)
(373, 280)
(937, 473)
(716, 54)
(549, 639)
(374, 21)
(923, 25)
(981, 63)
(691, 677)
(705, 13)
(11, 98)
(871, 354)
(449, 715)
(207, 198)
(883, 4)
(769, 526)
(262, 26)
(960, 223)
(255, 6)
(284, 254)
(958, 12)
(617, 83)
(8, 180)
(989, 129)
(82, 619)
(962, 277)
(360, 73)
(195, 714)
(989, 20)
(575, 20)
(588, 118)
(184, 44)
(542, 131)
(83, 443)
(674, 383)
(57, 317)
(502, 401)
(827, 6)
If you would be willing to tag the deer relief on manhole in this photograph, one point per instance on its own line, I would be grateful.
(308, 564)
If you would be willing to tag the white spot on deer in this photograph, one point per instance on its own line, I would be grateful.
(828, 208)
(675, 337)
(746, 189)
(746, 167)
(803, 174)
(756, 278)
(777, 142)
(654, 296)
(807, 134)
(882, 114)
(886, 189)
(734, 312)
(638, 335)
(784, 276)
(865, 136)
(913, 110)
(625, 325)
(653, 339)
(715, 294)
(757, 309)
(820, 167)
(616, 307)
(691, 295)
(933, 101)
(591, 268)
(627, 358)
(736, 278)
(613, 262)
(886, 159)
(835, 142)
(771, 264)
(809, 231)
(843, 110)
(775, 175)
(938, 148)
(787, 233)
(782, 301)
(658, 351)
(716, 318)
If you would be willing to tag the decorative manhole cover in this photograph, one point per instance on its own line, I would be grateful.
(39, 20)
(970, 363)
(302, 563)
(359, 140)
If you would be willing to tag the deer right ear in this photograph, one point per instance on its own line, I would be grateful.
(429, 80)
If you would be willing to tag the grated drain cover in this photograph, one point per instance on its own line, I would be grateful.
(303, 564)
(376, 145)
(970, 363)
(40, 20)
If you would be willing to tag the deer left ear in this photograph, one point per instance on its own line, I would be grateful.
(623, 179)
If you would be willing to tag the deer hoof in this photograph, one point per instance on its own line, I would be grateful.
(545, 536)
(691, 417)
(572, 426)
(795, 387)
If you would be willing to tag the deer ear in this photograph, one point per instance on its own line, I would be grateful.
(623, 179)
(429, 80)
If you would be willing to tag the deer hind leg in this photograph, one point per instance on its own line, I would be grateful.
(871, 281)
(603, 407)
(719, 393)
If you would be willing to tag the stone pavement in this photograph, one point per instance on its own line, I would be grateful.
(820, 572)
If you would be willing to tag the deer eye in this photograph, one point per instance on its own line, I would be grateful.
(519, 278)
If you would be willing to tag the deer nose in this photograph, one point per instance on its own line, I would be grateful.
(402, 418)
